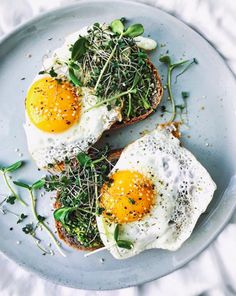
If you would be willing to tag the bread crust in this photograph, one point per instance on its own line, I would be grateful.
(155, 101)
(63, 235)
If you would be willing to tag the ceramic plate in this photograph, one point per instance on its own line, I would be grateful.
(210, 135)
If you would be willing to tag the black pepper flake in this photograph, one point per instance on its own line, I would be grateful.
(11, 228)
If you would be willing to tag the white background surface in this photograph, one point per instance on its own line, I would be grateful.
(212, 273)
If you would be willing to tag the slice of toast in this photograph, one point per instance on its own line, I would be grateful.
(63, 235)
(156, 98)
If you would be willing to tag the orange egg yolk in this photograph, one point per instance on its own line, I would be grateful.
(52, 106)
(127, 197)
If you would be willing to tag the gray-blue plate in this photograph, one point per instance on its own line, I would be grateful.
(210, 136)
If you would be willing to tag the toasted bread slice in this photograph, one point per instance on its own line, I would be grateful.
(156, 98)
(63, 235)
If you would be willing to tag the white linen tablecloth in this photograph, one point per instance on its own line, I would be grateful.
(213, 273)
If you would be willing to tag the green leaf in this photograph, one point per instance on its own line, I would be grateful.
(52, 72)
(13, 167)
(62, 214)
(134, 30)
(125, 244)
(38, 184)
(79, 48)
(41, 218)
(116, 233)
(11, 199)
(185, 94)
(21, 218)
(73, 77)
(21, 184)
(117, 27)
(136, 80)
(28, 228)
(84, 159)
(75, 66)
(165, 59)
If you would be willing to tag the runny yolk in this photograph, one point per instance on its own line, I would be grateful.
(127, 197)
(52, 106)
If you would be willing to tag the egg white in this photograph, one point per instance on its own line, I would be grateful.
(183, 191)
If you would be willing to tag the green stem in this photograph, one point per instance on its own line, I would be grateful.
(106, 64)
(12, 191)
(129, 106)
(33, 205)
(170, 69)
(130, 91)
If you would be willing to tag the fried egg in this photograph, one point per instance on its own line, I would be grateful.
(59, 121)
(156, 192)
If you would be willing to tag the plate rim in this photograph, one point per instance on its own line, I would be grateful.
(214, 235)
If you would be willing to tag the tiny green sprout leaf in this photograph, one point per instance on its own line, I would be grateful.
(100, 211)
(73, 77)
(79, 48)
(165, 59)
(134, 30)
(185, 94)
(21, 218)
(13, 167)
(125, 244)
(62, 214)
(123, 20)
(41, 218)
(181, 107)
(21, 184)
(11, 199)
(38, 184)
(52, 72)
(74, 66)
(117, 27)
(42, 72)
(116, 232)
(28, 228)
(84, 159)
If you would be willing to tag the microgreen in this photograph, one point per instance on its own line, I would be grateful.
(73, 77)
(125, 244)
(62, 214)
(170, 67)
(134, 30)
(11, 199)
(84, 159)
(78, 189)
(28, 228)
(194, 61)
(79, 48)
(21, 218)
(40, 219)
(10, 169)
(185, 94)
(117, 27)
(109, 64)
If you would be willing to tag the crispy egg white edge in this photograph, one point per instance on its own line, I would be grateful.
(164, 241)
